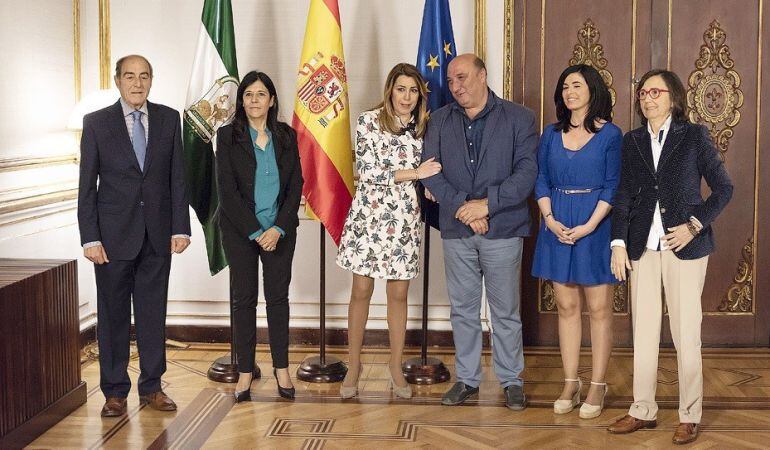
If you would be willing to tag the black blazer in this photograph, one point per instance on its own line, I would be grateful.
(688, 155)
(128, 201)
(236, 166)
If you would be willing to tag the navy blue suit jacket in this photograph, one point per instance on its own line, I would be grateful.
(126, 202)
(505, 174)
(688, 156)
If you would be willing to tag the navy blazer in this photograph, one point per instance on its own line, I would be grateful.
(688, 156)
(505, 174)
(127, 201)
(236, 167)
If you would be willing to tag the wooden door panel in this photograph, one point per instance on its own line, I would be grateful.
(714, 48)
(627, 38)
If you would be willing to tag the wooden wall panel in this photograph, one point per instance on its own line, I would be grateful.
(727, 321)
(635, 36)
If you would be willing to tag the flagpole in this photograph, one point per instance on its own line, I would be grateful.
(320, 368)
(425, 370)
(225, 368)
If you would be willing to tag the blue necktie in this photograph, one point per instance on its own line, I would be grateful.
(140, 142)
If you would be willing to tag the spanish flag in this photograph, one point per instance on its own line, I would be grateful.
(322, 121)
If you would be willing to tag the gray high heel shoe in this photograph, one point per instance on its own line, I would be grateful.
(403, 392)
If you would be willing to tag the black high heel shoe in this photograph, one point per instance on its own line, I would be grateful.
(244, 396)
(287, 393)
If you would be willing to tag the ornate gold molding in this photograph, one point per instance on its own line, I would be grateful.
(508, 50)
(547, 297)
(480, 27)
(105, 80)
(76, 46)
(590, 52)
(714, 96)
(619, 298)
(740, 295)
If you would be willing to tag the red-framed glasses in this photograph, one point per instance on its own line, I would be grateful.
(652, 92)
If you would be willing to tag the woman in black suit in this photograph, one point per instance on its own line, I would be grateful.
(661, 230)
(260, 185)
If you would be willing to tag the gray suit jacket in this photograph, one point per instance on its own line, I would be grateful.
(505, 174)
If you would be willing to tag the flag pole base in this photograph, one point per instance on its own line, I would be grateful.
(312, 370)
(224, 371)
(425, 371)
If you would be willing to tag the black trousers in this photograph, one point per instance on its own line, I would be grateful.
(243, 256)
(145, 279)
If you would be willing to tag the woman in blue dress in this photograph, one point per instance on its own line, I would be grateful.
(579, 166)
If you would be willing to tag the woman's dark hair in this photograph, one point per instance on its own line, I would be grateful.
(599, 106)
(675, 90)
(241, 122)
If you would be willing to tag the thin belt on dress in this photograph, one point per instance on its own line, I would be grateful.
(571, 190)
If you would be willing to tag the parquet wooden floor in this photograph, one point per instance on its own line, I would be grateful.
(737, 408)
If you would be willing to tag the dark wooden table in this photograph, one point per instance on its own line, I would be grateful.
(39, 347)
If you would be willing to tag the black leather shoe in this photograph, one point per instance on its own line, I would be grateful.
(458, 394)
(515, 398)
(244, 396)
(287, 393)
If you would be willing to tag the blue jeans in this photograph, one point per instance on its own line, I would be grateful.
(497, 262)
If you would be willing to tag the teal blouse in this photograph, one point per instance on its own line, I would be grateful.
(266, 185)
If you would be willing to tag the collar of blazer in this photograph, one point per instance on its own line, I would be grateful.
(244, 141)
(119, 130)
(643, 145)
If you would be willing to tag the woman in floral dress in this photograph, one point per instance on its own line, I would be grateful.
(381, 238)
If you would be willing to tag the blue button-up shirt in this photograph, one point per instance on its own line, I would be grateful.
(474, 129)
(266, 185)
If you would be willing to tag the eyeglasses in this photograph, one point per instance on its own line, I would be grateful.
(653, 93)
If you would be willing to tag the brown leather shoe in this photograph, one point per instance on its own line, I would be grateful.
(158, 400)
(685, 433)
(629, 424)
(114, 407)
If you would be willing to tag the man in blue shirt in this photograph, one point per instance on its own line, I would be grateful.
(487, 147)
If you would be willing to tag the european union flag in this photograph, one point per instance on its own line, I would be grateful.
(437, 48)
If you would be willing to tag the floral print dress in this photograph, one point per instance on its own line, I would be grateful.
(381, 238)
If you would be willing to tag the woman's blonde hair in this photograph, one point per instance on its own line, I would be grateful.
(388, 120)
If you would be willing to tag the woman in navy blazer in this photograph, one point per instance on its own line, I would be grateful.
(260, 184)
(662, 231)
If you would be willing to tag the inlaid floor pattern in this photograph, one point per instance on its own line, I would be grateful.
(737, 414)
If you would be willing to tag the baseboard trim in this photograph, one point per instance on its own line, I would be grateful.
(297, 336)
(311, 336)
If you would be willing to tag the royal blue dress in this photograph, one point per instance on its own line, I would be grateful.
(596, 166)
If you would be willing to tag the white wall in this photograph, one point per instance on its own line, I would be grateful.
(269, 34)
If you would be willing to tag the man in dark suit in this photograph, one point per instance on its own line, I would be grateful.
(130, 222)
(487, 148)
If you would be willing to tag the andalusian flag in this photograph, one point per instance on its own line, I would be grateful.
(210, 104)
(322, 121)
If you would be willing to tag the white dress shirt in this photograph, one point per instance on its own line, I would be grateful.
(656, 230)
